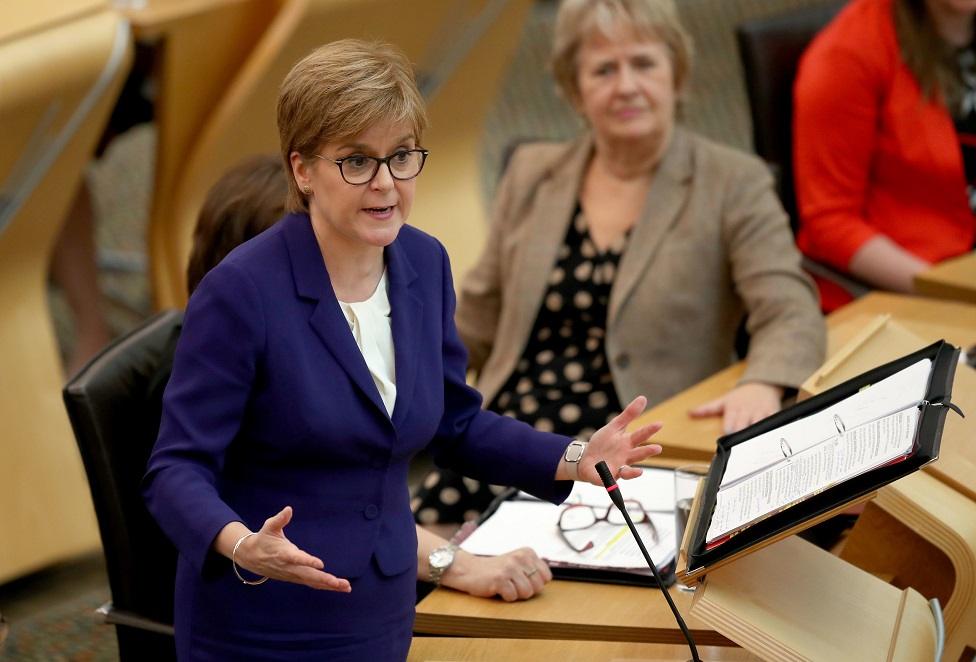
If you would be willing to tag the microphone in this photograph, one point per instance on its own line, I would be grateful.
(614, 491)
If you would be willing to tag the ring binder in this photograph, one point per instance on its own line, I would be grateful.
(918, 445)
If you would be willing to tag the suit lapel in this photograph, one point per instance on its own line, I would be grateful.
(547, 223)
(665, 199)
(407, 312)
(312, 282)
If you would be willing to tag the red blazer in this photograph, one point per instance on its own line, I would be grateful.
(871, 154)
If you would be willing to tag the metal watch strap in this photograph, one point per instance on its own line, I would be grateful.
(437, 573)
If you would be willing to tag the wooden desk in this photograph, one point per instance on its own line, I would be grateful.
(566, 610)
(202, 44)
(953, 279)
(574, 610)
(521, 650)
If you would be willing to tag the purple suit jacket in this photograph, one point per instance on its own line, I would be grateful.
(270, 403)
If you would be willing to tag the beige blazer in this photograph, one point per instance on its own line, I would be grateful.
(712, 244)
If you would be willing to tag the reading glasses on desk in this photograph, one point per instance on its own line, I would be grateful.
(579, 517)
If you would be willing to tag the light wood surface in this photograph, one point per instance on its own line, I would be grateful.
(440, 649)
(566, 610)
(952, 279)
(202, 45)
(45, 505)
(923, 533)
(19, 19)
(927, 318)
(794, 601)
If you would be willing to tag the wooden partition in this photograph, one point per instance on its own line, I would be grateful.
(58, 82)
(449, 203)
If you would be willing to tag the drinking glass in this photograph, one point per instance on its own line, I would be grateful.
(685, 485)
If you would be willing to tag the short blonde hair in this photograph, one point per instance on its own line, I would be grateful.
(657, 19)
(337, 92)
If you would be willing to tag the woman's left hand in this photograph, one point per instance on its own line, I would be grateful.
(619, 448)
(742, 406)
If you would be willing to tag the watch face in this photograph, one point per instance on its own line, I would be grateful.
(574, 452)
(441, 558)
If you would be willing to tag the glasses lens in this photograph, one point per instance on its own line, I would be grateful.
(406, 164)
(577, 517)
(358, 169)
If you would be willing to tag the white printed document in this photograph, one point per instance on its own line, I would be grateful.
(528, 522)
(781, 467)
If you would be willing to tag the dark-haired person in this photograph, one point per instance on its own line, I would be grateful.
(885, 141)
(315, 361)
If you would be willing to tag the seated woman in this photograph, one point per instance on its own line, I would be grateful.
(885, 141)
(248, 199)
(624, 261)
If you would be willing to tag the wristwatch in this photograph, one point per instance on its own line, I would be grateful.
(574, 453)
(440, 560)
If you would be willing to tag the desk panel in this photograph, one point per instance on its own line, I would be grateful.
(953, 279)
(566, 610)
(523, 650)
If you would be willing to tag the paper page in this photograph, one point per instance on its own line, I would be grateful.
(534, 524)
(903, 389)
(858, 450)
(654, 489)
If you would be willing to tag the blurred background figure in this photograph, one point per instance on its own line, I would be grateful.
(75, 260)
(885, 141)
(623, 262)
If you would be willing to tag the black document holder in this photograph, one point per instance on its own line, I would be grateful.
(596, 575)
(928, 437)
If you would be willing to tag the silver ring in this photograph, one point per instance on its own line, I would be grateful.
(530, 572)
(839, 424)
(784, 447)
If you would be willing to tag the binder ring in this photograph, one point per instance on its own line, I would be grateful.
(784, 446)
(839, 424)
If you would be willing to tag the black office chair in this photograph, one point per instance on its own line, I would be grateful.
(770, 48)
(114, 404)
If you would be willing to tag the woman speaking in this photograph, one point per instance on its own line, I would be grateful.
(315, 361)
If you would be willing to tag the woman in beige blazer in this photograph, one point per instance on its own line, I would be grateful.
(623, 262)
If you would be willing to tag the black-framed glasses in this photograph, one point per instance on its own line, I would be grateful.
(360, 169)
(578, 517)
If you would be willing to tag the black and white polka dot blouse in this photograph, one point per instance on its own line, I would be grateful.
(562, 382)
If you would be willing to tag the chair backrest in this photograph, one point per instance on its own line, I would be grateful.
(61, 67)
(461, 50)
(114, 404)
(770, 48)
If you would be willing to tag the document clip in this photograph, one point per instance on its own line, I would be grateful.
(945, 403)
(784, 446)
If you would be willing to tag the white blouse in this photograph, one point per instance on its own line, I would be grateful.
(370, 324)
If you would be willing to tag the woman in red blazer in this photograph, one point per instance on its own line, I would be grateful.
(883, 118)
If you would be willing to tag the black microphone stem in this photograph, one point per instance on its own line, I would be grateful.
(617, 499)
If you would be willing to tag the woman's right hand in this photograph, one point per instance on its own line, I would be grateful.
(271, 554)
(517, 575)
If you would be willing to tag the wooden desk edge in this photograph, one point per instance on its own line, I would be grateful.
(491, 628)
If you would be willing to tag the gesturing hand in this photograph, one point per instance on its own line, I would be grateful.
(619, 448)
(271, 554)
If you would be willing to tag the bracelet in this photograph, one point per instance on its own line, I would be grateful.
(233, 561)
